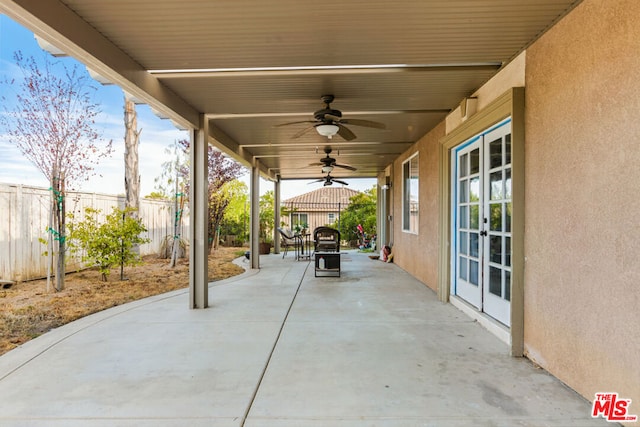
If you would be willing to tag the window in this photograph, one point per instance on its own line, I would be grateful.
(410, 195)
(331, 218)
(299, 219)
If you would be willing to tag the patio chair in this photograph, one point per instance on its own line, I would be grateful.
(326, 239)
(289, 240)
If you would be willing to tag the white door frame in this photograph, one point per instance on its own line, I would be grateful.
(481, 214)
(511, 103)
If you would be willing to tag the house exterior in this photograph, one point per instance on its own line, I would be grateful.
(321, 207)
(524, 212)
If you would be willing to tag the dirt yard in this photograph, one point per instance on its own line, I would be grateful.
(28, 310)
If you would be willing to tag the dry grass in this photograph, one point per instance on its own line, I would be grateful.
(27, 310)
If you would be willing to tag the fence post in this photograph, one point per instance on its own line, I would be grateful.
(18, 232)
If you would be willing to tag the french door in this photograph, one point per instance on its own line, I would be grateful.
(481, 225)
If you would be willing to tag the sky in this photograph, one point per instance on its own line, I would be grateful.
(156, 137)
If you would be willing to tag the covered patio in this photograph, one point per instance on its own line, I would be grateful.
(255, 78)
(283, 348)
(503, 137)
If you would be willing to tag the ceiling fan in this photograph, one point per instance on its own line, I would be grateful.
(328, 163)
(329, 180)
(329, 122)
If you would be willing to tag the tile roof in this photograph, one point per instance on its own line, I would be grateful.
(325, 198)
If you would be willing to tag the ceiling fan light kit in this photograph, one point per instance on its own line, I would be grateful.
(327, 130)
(329, 180)
(329, 122)
(328, 164)
(327, 169)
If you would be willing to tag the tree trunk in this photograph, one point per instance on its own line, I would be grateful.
(131, 173)
(58, 229)
(177, 226)
(50, 240)
(62, 248)
(175, 243)
(211, 235)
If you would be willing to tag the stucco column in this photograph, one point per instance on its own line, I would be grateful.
(198, 217)
(254, 215)
(276, 215)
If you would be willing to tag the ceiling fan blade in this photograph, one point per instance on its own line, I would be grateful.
(294, 123)
(351, 168)
(340, 182)
(316, 164)
(302, 132)
(344, 132)
(364, 123)
(332, 117)
(317, 180)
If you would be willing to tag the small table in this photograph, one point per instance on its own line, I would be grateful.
(331, 263)
(305, 241)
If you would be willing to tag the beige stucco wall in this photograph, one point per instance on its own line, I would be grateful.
(582, 197)
(582, 271)
(512, 75)
(418, 253)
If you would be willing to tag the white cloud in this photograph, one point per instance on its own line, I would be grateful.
(156, 136)
(15, 168)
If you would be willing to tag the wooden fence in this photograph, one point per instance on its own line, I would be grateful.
(24, 218)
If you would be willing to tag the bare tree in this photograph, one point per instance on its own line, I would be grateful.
(174, 179)
(180, 200)
(51, 121)
(131, 162)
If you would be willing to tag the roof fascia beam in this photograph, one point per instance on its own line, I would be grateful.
(324, 70)
(316, 145)
(227, 116)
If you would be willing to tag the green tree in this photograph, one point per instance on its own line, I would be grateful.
(236, 217)
(361, 210)
(110, 243)
(266, 216)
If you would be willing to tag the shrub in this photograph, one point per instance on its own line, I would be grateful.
(110, 243)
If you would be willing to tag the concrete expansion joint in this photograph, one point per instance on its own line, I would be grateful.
(273, 348)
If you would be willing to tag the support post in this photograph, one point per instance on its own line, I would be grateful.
(254, 219)
(276, 214)
(198, 242)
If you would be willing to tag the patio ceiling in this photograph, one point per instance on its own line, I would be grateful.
(251, 65)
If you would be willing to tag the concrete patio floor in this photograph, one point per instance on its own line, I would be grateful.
(279, 347)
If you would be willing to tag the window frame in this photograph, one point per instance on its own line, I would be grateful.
(297, 221)
(410, 194)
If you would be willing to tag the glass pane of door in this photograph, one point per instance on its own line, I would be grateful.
(497, 243)
(468, 210)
